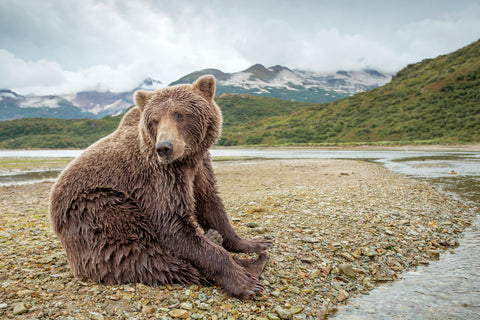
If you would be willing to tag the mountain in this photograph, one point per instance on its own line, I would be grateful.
(15, 106)
(277, 81)
(111, 103)
(85, 104)
(80, 133)
(433, 101)
(295, 85)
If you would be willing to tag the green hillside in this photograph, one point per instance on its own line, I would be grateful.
(52, 133)
(80, 133)
(434, 101)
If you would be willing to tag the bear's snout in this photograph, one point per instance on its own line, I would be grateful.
(164, 149)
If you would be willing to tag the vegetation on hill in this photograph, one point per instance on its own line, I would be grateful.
(433, 101)
(52, 133)
(80, 133)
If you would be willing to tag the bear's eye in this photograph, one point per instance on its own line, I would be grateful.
(155, 123)
(178, 117)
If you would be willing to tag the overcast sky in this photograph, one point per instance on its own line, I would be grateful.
(63, 46)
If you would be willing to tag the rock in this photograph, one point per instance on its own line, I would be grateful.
(275, 293)
(272, 316)
(296, 309)
(186, 305)
(369, 252)
(310, 240)
(148, 310)
(96, 316)
(204, 306)
(315, 273)
(347, 256)
(434, 254)
(19, 308)
(283, 313)
(347, 270)
(197, 316)
(23, 293)
(178, 314)
(253, 225)
(3, 305)
(295, 289)
(342, 296)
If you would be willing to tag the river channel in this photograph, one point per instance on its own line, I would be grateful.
(446, 289)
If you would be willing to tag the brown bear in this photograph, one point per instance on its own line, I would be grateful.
(131, 208)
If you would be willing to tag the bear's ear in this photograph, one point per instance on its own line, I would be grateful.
(140, 97)
(205, 86)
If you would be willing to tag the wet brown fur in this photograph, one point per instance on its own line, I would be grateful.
(126, 214)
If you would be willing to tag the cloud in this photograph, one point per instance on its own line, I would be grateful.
(58, 46)
(19, 73)
(432, 37)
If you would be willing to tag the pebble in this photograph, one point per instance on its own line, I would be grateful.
(283, 313)
(342, 295)
(148, 310)
(347, 270)
(178, 314)
(19, 308)
(96, 316)
(253, 224)
(186, 305)
(316, 273)
(272, 316)
(296, 309)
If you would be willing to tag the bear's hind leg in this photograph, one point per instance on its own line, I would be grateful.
(144, 263)
(109, 239)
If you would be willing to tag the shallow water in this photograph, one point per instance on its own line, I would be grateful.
(29, 176)
(446, 289)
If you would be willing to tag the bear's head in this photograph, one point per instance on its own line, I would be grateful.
(181, 121)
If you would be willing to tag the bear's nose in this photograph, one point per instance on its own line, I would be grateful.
(164, 149)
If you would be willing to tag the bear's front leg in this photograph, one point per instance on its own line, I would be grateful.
(211, 260)
(211, 214)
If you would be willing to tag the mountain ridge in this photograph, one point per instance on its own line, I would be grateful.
(276, 81)
(296, 85)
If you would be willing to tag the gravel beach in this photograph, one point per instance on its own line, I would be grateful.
(339, 228)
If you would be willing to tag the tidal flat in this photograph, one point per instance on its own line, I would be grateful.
(340, 228)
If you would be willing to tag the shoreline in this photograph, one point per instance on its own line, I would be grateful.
(339, 227)
(352, 147)
(406, 147)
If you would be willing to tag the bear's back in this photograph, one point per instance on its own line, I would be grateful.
(104, 164)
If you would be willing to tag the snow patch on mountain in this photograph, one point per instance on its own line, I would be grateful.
(41, 102)
(150, 84)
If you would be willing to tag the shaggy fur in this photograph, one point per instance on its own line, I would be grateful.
(127, 209)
